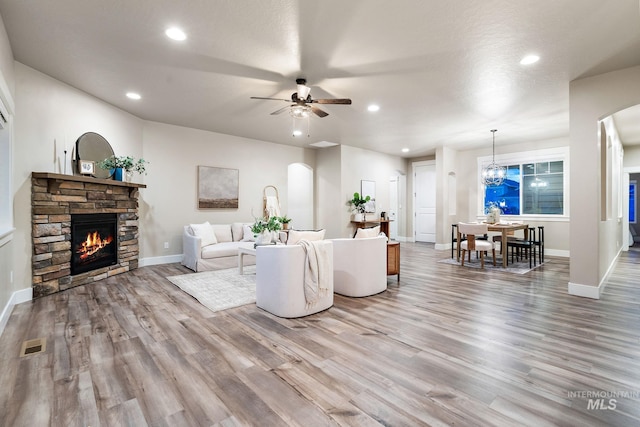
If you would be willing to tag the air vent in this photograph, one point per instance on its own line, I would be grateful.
(29, 347)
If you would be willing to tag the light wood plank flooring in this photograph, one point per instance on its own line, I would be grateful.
(445, 346)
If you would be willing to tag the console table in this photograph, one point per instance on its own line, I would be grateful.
(384, 225)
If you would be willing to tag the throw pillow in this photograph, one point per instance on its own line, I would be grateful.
(363, 233)
(247, 234)
(296, 235)
(205, 233)
(223, 232)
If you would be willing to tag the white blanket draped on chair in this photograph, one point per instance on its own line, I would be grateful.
(318, 271)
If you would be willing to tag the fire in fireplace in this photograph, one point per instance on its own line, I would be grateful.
(93, 241)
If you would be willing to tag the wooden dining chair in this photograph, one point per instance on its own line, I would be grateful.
(475, 241)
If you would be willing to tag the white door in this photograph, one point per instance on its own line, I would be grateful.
(394, 184)
(424, 179)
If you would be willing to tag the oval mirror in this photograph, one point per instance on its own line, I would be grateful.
(94, 147)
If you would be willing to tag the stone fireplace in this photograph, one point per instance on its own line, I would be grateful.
(61, 204)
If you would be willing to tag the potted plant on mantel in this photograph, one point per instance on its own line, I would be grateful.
(358, 204)
(124, 163)
(263, 230)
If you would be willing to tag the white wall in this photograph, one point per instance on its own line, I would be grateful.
(360, 164)
(592, 99)
(169, 201)
(328, 192)
(7, 79)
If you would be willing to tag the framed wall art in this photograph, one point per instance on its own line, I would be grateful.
(218, 188)
(368, 188)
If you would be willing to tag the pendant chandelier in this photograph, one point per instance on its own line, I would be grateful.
(493, 174)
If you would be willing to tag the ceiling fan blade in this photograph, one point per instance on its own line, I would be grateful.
(282, 110)
(318, 112)
(272, 99)
(344, 101)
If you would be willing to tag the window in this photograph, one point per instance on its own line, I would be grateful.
(536, 184)
(6, 198)
(543, 188)
(632, 202)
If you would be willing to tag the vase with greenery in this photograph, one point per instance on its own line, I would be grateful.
(263, 229)
(126, 163)
(358, 204)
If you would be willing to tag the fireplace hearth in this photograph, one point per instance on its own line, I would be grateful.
(94, 241)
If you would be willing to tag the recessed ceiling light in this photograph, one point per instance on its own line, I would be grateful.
(529, 59)
(405, 150)
(373, 107)
(297, 132)
(323, 144)
(175, 34)
(133, 95)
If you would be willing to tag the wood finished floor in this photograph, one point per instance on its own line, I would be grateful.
(447, 346)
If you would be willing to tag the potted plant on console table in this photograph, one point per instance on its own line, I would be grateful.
(118, 164)
(358, 204)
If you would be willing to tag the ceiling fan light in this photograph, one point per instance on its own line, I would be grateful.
(300, 111)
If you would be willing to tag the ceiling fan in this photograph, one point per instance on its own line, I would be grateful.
(301, 100)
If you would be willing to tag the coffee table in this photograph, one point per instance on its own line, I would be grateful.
(241, 253)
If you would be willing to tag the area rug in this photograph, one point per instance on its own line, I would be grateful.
(220, 289)
(518, 267)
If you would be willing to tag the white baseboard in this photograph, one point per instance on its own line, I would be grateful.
(585, 291)
(167, 259)
(556, 252)
(23, 295)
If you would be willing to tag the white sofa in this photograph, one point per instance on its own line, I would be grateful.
(280, 281)
(223, 253)
(360, 266)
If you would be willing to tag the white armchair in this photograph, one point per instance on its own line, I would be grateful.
(280, 273)
(360, 266)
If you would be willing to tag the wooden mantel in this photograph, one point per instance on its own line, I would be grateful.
(55, 179)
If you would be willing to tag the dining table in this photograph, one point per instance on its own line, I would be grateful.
(506, 229)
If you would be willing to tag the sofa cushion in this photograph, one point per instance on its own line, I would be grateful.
(205, 233)
(363, 233)
(223, 232)
(237, 231)
(247, 234)
(224, 249)
(296, 235)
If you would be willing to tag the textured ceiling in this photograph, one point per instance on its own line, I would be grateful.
(443, 72)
